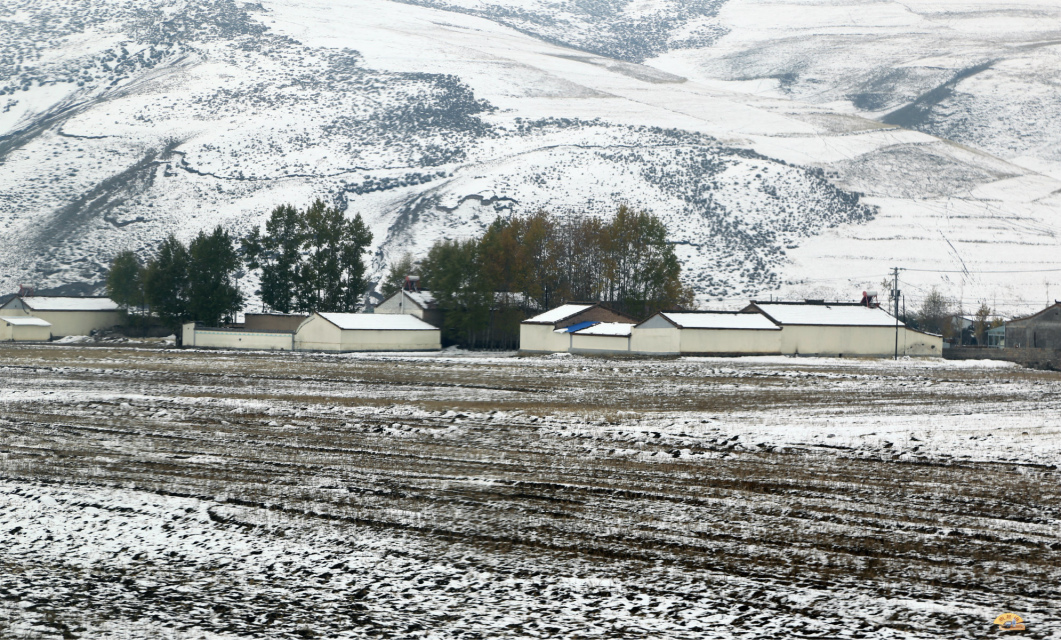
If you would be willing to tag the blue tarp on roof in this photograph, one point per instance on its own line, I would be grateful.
(578, 327)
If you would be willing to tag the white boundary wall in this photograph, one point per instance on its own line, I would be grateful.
(213, 338)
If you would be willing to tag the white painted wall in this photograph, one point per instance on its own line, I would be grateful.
(393, 304)
(541, 338)
(67, 323)
(600, 344)
(915, 343)
(236, 339)
(317, 334)
(381, 340)
(656, 341)
(23, 333)
(730, 341)
(856, 341)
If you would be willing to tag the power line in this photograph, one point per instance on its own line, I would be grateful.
(982, 272)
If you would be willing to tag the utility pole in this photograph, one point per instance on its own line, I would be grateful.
(895, 297)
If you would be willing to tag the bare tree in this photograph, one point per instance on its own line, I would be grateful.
(935, 314)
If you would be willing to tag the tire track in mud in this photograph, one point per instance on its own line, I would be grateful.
(921, 546)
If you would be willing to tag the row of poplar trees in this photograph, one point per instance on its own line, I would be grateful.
(181, 282)
(525, 265)
(308, 260)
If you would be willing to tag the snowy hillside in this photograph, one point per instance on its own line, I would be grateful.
(126, 121)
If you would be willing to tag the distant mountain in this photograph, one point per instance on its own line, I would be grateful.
(769, 137)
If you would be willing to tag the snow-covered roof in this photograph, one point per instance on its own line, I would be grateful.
(56, 303)
(25, 321)
(425, 299)
(844, 315)
(559, 314)
(377, 322)
(620, 329)
(720, 320)
(576, 327)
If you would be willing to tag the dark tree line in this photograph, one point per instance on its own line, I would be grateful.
(181, 283)
(311, 260)
(523, 265)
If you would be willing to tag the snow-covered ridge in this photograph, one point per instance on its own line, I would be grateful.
(129, 121)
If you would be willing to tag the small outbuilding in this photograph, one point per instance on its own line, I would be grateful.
(601, 338)
(551, 332)
(24, 329)
(707, 333)
(69, 316)
(366, 332)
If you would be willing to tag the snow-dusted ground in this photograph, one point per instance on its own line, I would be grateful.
(199, 494)
(750, 128)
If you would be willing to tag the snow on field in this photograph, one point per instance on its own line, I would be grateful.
(206, 494)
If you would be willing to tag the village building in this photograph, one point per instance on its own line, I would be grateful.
(69, 316)
(601, 338)
(837, 329)
(420, 304)
(1039, 331)
(552, 331)
(195, 335)
(714, 333)
(366, 332)
(24, 329)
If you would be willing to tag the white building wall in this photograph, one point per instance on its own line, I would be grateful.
(79, 323)
(393, 304)
(541, 338)
(188, 334)
(824, 340)
(67, 323)
(317, 334)
(730, 341)
(656, 341)
(382, 340)
(916, 343)
(215, 339)
(23, 333)
(600, 344)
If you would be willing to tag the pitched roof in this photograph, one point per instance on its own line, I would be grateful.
(559, 314)
(619, 329)
(57, 303)
(25, 321)
(826, 314)
(719, 320)
(377, 322)
(423, 299)
(1055, 305)
(576, 327)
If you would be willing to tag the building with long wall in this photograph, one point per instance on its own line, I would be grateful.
(69, 316)
(762, 328)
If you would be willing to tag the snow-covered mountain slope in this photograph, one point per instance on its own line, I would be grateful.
(124, 122)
